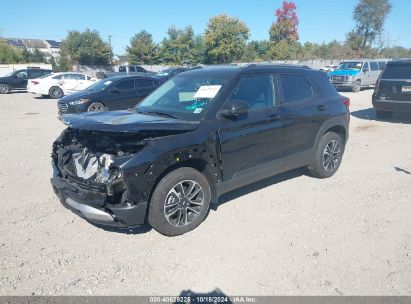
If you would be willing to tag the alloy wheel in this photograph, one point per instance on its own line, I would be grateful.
(96, 107)
(331, 155)
(183, 203)
(4, 88)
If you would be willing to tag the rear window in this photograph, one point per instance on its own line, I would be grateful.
(397, 72)
(295, 88)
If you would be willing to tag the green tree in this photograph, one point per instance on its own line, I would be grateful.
(26, 55)
(37, 56)
(142, 49)
(86, 48)
(250, 53)
(200, 50)
(369, 17)
(9, 54)
(285, 50)
(225, 39)
(178, 47)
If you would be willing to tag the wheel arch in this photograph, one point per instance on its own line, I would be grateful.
(202, 165)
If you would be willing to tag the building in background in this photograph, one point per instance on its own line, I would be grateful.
(49, 48)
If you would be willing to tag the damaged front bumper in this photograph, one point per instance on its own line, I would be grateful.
(92, 205)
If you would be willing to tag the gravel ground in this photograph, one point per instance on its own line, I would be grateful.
(289, 235)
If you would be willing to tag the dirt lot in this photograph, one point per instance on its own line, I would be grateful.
(289, 235)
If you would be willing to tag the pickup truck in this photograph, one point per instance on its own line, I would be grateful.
(129, 70)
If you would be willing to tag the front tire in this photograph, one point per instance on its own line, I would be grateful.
(356, 87)
(56, 93)
(180, 202)
(383, 114)
(4, 89)
(328, 156)
(96, 107)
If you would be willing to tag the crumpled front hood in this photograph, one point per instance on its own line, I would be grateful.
(344, 72)
(125, 121)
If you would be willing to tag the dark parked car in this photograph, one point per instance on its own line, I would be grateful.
(201, 134)
(169, 73)
(17, 80)
(393, 90)
(115, 93)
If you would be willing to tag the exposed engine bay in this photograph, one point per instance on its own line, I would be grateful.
(88, 159)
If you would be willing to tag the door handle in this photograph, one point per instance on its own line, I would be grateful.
(322, 108)
(273, 117)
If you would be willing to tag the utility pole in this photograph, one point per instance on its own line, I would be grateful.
(111, 50)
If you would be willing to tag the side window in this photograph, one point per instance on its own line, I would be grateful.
(140, 69)
(144, 83)
(365, 68)
(374, 66)
(131, 69)
(256, 90)
(295, 88)
(80, 76)
(21, 74)
(382, 65)
(125, 85)
(58, 77)
(35, 74)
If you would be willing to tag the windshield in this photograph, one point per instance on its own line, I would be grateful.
(100, 85)
(10, 74)
(183, 97)
(356, 65)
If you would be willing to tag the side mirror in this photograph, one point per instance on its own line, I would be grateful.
(114, 91)
(234, 109)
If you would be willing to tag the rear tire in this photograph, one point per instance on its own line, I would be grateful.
(328, 156)
(4, 89)
(180, 202)
(356, 87)
(383, 114)
(56, 93)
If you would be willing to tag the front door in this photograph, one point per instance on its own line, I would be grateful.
(252, 142)
(19, 80)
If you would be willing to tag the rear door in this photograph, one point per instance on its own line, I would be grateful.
(304, 111)
(395, 83)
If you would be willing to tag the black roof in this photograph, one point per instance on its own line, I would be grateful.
(120, 77)
(231, 70)
(400, 62)
(54, 43)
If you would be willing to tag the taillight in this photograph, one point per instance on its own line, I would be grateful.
(345, 101)
(35, 82)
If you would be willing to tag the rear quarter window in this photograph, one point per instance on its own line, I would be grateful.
(295, 88)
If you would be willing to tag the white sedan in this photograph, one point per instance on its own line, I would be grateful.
(59, 84)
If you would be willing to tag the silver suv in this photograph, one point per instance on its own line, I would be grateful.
(355, 74)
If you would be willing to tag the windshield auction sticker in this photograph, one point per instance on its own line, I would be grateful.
(209, 91)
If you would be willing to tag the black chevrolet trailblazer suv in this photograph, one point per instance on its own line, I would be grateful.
(201, 134)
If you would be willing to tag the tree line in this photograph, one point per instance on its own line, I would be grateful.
(226, 40)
